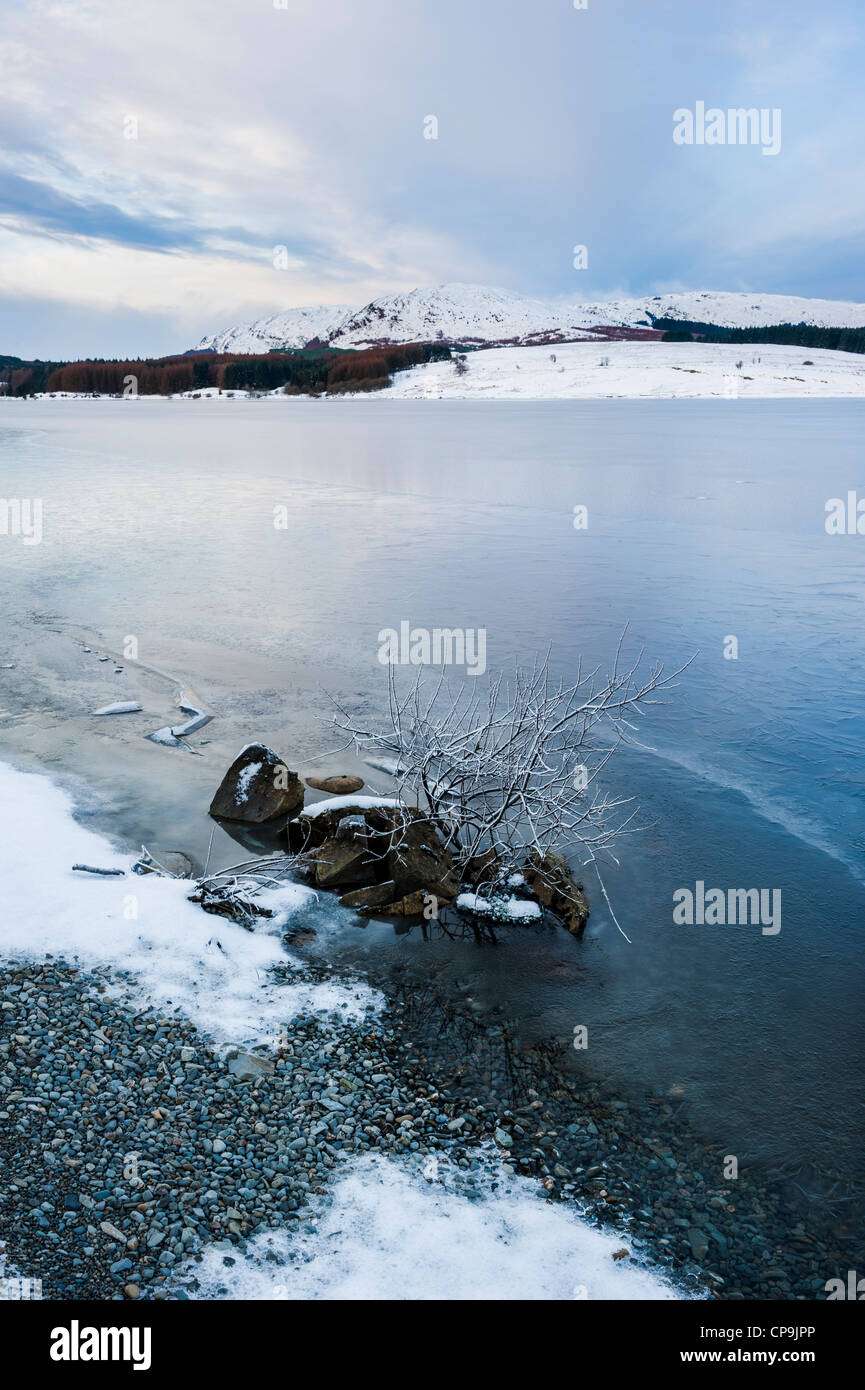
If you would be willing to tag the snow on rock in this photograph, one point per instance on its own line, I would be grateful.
(241, 791)
(358, 803)
(389, 1231)
(503, 909)
(161, 949)
(125, 707)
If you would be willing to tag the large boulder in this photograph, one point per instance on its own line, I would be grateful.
(419, 860)
(257, 787)
(412, 905)
(343, 864)
(551, 882)
(371, 899)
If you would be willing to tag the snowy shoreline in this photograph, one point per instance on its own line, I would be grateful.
(380, 1146)
(624, 370)
(141, 1137)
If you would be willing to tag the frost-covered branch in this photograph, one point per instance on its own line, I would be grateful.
(514, 775)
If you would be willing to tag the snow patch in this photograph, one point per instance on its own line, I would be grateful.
(360, 803)
(503, 909)
(161, 949)
(244, 780)
(388, 1232)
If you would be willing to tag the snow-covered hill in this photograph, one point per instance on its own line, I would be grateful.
(467, 313)
(293, 328)
(475, 314)
(727, 310)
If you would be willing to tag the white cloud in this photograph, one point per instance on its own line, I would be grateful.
(303, 127)
(225, 146)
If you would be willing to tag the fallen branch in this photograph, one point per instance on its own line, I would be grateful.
(102, 873)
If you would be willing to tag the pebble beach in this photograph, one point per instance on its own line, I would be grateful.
(133, 1153)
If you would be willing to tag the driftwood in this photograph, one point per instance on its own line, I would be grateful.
(102, 873)
(230, 902)
(231, 892)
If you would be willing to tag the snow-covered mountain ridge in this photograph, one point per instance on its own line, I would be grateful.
(475, 314)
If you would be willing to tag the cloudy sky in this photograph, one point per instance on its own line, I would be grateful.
(303, 126)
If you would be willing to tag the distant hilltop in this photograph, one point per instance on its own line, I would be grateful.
(474, 314)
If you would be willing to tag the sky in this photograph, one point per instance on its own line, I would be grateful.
(153, 155)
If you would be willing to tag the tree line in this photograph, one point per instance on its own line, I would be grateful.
(797, 335)
(307, 371)
(20, 378)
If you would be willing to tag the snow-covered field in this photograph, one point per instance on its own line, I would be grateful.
(634, 370)
(594, 371)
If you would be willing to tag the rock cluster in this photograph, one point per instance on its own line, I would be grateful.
(390, 857)
(381, 856)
